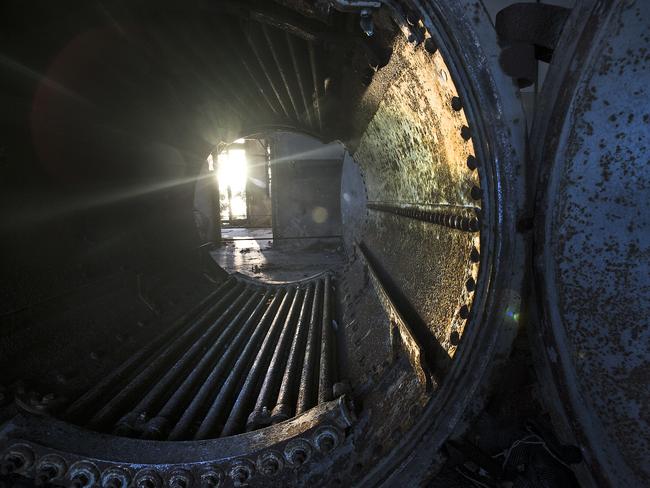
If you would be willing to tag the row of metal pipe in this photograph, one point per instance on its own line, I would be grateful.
(284, 74)
(248, 356)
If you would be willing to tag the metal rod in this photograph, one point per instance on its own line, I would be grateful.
(267, 75)
(202, 399)
(298, 72)
(234, 47)
(453, 216)
(280, 69)
(144, 378)
(315, 77)
(251, 94)
(127, 424)
(235, 422)
(285, 404)
(307, 390)
(158, 426)
(244, 109)
(325, 377)
(260, 88)
(89, 399)
(261, 415)
(206, 58)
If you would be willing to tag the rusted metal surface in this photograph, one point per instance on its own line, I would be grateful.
(316, 83)
(90, 398)
(326, 368)
(307, 391)
(305, 111)
(261, 414)
(413, 156)
(142, 381)
(223, 362)
(158, 427)
(462, 218)
(395, 445)
(286, 402)
(36, 446)
(410, 343)
(204, 404)
(415, 152)
(593, 239)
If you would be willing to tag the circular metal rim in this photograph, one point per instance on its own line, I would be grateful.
(490, 331)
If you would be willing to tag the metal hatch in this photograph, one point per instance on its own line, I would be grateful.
(592, 239)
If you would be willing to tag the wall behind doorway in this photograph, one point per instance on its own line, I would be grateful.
(306, 187)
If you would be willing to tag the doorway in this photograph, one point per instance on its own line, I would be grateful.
(244, 194)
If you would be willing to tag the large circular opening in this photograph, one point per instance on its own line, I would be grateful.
(397, 261)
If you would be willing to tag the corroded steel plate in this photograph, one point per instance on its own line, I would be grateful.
(593, 239)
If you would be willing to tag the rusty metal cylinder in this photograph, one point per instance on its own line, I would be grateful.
(201, 401)
(261, 415)
(308, 389)
(285, 405)
(158, 426)
(325, 377)
(136, 386)
(237, 418)
(89, 400)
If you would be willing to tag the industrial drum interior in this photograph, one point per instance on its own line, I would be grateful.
(332, 243)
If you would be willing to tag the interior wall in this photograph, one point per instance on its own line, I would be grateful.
(95, 176)
(258, 198)
(306, 187)
(413, 156)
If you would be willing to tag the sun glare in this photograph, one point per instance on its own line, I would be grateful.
(232, 176)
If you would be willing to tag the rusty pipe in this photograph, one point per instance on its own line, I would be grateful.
(236, 419)
(210, 385)
(126, 425)
(261, 415)
(285, 404)
(325, 372)
(89, 399)
(307, 389)
(158, 426)
(144, 378)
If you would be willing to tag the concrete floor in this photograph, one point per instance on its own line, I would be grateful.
(254, 252)
(236, 233)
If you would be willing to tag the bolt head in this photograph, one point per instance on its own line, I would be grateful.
(472, 163)
(430, 45)
(464, 312)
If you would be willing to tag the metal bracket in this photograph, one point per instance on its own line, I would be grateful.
(366, 9)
